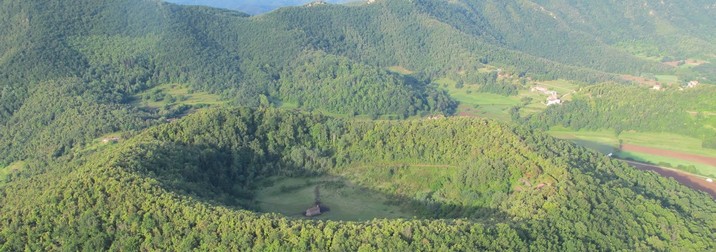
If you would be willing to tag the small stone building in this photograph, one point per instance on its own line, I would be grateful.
(313, 211)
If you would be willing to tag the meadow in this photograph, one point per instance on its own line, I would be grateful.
(12, 168)
(346, 201)
(494, 106)
(175, 94)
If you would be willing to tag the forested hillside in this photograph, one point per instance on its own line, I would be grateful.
(183, 185)
(145, 125)
(676, 110)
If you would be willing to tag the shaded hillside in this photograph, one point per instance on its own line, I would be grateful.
(170, 186)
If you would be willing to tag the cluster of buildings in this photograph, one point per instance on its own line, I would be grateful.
(690, 84)
(552, 96)
(110, 140)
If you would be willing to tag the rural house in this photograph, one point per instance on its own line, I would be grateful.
(553, 99)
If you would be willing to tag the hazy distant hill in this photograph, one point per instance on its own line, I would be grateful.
(252, 6)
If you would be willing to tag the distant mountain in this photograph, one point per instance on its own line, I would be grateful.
(252, 6)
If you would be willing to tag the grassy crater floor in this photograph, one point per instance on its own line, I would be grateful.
(346, 201)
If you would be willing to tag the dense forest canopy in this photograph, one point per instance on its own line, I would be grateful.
(141, 124)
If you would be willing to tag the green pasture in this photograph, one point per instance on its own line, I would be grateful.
(474, 103)
(176, 94)
(561, 86)
(670, 79)
(400, 70)
(13, 167)
(347, 201)
(98, 143)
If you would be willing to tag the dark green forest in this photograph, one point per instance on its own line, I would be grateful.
(97, 153)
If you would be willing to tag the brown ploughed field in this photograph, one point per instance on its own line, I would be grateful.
(687, 179)
(668, 153)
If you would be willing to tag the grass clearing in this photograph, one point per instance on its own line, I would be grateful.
(100, 143)
(347, 201)
(10, 169)
(400, 70)
(474, 103)
(561, 86)
(175, 94)
(669, 79)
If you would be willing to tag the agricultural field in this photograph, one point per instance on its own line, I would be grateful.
(667, 79)
(606, 141)
(346, 201)
(475, 103)
(563, 87)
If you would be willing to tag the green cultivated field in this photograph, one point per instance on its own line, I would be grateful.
(561, 86)
(475, 103)
(606, 141)
(670, 79)
(292, 196)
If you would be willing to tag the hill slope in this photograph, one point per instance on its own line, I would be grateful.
(169, 186)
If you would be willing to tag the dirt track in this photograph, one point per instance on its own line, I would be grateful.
(667, 153)
(690, 180)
